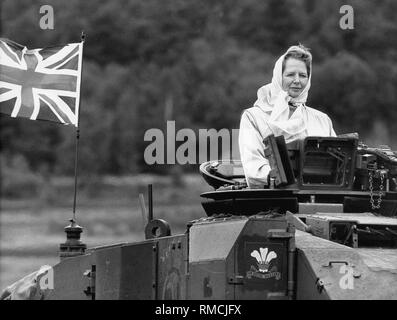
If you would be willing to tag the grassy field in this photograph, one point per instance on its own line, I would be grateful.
(108, 209)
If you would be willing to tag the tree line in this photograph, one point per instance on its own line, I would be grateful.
(198, 63)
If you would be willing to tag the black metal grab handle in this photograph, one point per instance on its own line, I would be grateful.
(330, 263)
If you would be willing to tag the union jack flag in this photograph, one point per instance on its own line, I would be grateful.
(40, 84)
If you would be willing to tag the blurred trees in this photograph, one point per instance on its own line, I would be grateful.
(199, 63)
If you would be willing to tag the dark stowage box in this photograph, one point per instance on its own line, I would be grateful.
(240, 258)
(327, 163)
(263, 259)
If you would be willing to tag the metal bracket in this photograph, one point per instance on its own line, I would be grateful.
(320, 285)
(279, 234)
(91, 274)
(236, 280)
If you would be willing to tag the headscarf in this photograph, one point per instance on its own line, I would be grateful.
(274, 100)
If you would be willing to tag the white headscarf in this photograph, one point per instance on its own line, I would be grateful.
(274, 100)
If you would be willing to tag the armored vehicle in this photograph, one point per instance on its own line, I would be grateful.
(323, 227)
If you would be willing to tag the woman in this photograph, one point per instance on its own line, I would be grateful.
(280, 110)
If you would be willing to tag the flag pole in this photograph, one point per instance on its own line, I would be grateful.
(73, 245)
(78, 131)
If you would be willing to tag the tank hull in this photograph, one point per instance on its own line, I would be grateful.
(230, 258)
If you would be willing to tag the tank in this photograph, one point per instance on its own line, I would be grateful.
(324, 227)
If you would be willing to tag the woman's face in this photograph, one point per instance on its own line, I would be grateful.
(295, 77)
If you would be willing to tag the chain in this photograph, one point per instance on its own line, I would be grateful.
(371, 191)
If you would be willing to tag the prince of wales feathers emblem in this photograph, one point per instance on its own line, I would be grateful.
(263, 258)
